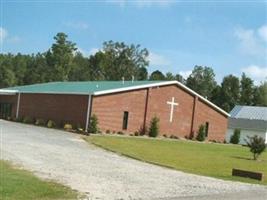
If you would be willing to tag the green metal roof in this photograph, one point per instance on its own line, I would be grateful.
(86, 87)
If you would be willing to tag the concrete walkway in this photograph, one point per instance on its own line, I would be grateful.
(66, 158)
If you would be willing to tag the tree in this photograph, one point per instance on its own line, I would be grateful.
(202, 80)
(180, 78)
(260, 95)
(60, 58)
(169, 76)
(154, 127)
(235, 137)
(246, 93)
(157, 76)
(228, 95)
(121, 60)
(257, 146)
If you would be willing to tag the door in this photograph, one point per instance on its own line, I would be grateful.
(5, 110)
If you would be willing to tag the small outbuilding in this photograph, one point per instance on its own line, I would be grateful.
(125, 106)
(251, 120)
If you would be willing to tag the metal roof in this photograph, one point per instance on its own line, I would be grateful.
(249, 112)
(79, 87)
(248, 117)
(100, 88)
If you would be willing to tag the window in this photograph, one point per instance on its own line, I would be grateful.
(125, 120)
(207, 129)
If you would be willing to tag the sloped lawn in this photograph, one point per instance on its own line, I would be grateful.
(17, 184)
(208, 159)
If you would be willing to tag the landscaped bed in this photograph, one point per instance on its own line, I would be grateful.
(20, 184)
(208, 159)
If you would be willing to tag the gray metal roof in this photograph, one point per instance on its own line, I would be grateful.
(248, 117)
(249, 112)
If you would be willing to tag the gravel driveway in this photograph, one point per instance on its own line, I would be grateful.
(66, 158)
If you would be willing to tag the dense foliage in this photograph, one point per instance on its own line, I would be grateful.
(201, 135)
(235, 137)
(257, 146)
(154, 127)
(63, 62)
(93, 125)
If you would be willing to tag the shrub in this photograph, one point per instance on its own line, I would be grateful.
(164, 135)
(174, 137)
(108, 131)
(235, 137)
(136, 133)
(120, 133)
(51, 124)
(257, 145)
(40, 122)
(27, 120)
(201, 136)
(93, 126)
(68, 127)
(154, 127)
(142, 130)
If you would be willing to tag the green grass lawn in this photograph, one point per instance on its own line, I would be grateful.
(208, 159)
(17, 184)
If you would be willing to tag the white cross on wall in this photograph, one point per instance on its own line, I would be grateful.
(172, 103)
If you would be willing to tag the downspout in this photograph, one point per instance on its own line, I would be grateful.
(18, 104)
(89, 105)
(193, 117)
(146, 108)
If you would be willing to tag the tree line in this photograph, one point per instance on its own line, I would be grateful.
(63, 62)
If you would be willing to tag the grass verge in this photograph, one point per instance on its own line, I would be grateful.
(208, 159)
(17, 184)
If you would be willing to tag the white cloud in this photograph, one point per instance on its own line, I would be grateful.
(256, 72)
(262, 31)
(250, 42)
(185, 74)
(77, 25)
(156, 59)
(142, 3)
(3, 34)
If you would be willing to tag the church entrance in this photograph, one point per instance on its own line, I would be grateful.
(5, 110)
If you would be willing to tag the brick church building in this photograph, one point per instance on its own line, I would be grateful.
(119, 106)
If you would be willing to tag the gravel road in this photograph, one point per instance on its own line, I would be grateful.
(67, 159)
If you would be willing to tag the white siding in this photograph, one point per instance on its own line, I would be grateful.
(244, 134)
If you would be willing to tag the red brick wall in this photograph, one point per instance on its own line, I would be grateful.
(217, 121)
(110, 108)
(182, 115)
(10, 99)
(57, 107)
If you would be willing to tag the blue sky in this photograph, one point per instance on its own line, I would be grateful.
(229, 37)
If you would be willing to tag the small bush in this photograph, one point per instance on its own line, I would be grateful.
(113, 132)
(51, 124)
(164, 135)
(174, 137)
(136, 133)
(142, 130)
(235, 137)
(108, 131)
(40, 122)
(154, 127)
(28, 120)
(257, 145)
(120, 133)
(68, 127)
(93, 126)
(201, 136)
